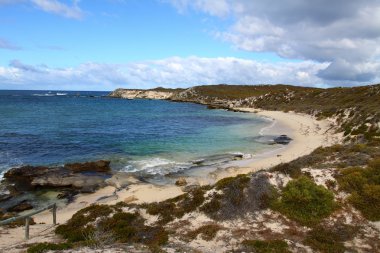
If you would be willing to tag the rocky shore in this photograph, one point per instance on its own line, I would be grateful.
(21, 187)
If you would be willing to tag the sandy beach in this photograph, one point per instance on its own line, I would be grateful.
(307, 134)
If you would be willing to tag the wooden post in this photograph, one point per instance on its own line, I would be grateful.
(55, 214)
(27, 221)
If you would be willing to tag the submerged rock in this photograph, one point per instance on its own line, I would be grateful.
(20, 207)
(283, 139)
(181, 182)
(71, 179)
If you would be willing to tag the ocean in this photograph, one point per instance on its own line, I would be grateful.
(149, 137)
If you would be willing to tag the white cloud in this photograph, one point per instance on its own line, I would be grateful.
(169, 72)
(212, 7)
(334, 31)
(56, 7)
(72, 11)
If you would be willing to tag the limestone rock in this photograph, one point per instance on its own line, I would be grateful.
(98, 166)
(20, 207)
(181, 182)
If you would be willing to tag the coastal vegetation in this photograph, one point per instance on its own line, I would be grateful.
(355, 109)
(305, 202)
(274, 246)
(325, 201)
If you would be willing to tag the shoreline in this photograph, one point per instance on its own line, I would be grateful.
(307, 134)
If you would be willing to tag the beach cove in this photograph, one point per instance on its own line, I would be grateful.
(307, 134)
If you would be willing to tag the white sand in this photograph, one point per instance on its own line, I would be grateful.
(307, 134)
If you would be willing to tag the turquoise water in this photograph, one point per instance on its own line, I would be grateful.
(49, 128)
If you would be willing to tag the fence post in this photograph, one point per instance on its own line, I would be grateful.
(27, 221)
(55, 214)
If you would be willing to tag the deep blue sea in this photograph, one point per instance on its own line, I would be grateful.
(57, 127)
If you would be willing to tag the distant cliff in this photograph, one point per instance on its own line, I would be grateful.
(158, 93)
(356, 109)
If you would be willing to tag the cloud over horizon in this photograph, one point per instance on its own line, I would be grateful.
(170, 72)
(320, 43)
(346, 34)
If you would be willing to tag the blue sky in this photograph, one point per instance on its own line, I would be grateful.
(104, 44)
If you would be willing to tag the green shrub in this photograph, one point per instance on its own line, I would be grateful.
(173, 208)
(367, 201)
(305, 202)
(272, 246)
(330, 240)
(364, 186)
(44, 247)
(102, 225)
(78, 227)
(240, 180)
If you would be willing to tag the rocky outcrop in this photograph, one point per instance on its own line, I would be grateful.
(145, 94)
(84, 177)
(98, 166)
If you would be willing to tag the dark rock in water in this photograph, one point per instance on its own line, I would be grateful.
(282, 139)
(20, 207)
(98, 166)
(23, 176)
(68, 195)
(181, 182)
(85, 177)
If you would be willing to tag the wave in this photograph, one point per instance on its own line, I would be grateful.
(267, 128)
(156, 166)
(43, 95)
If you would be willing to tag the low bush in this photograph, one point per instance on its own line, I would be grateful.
(79, 225)
(330, 239)
(173, 208)
(305, 202)
(272, 246)
(238, 196)
(208, 232)
(99, 225)
(45, 247)
(364, 186)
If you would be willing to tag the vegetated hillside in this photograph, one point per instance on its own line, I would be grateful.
(356, 109)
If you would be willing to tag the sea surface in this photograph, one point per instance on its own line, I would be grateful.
(142, 136)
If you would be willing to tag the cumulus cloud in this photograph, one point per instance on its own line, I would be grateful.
(169, 72)
(72, 11)
(344, 33)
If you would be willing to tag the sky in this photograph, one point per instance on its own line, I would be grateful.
(107, 44)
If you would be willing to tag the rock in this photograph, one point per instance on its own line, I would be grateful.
(98, 166)
(130, 199)
(23, 176)
(70, 176)
(20, 207)
(282, 139)
(69, 195)
(83, 183)
(121, 180)
(181, 182)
